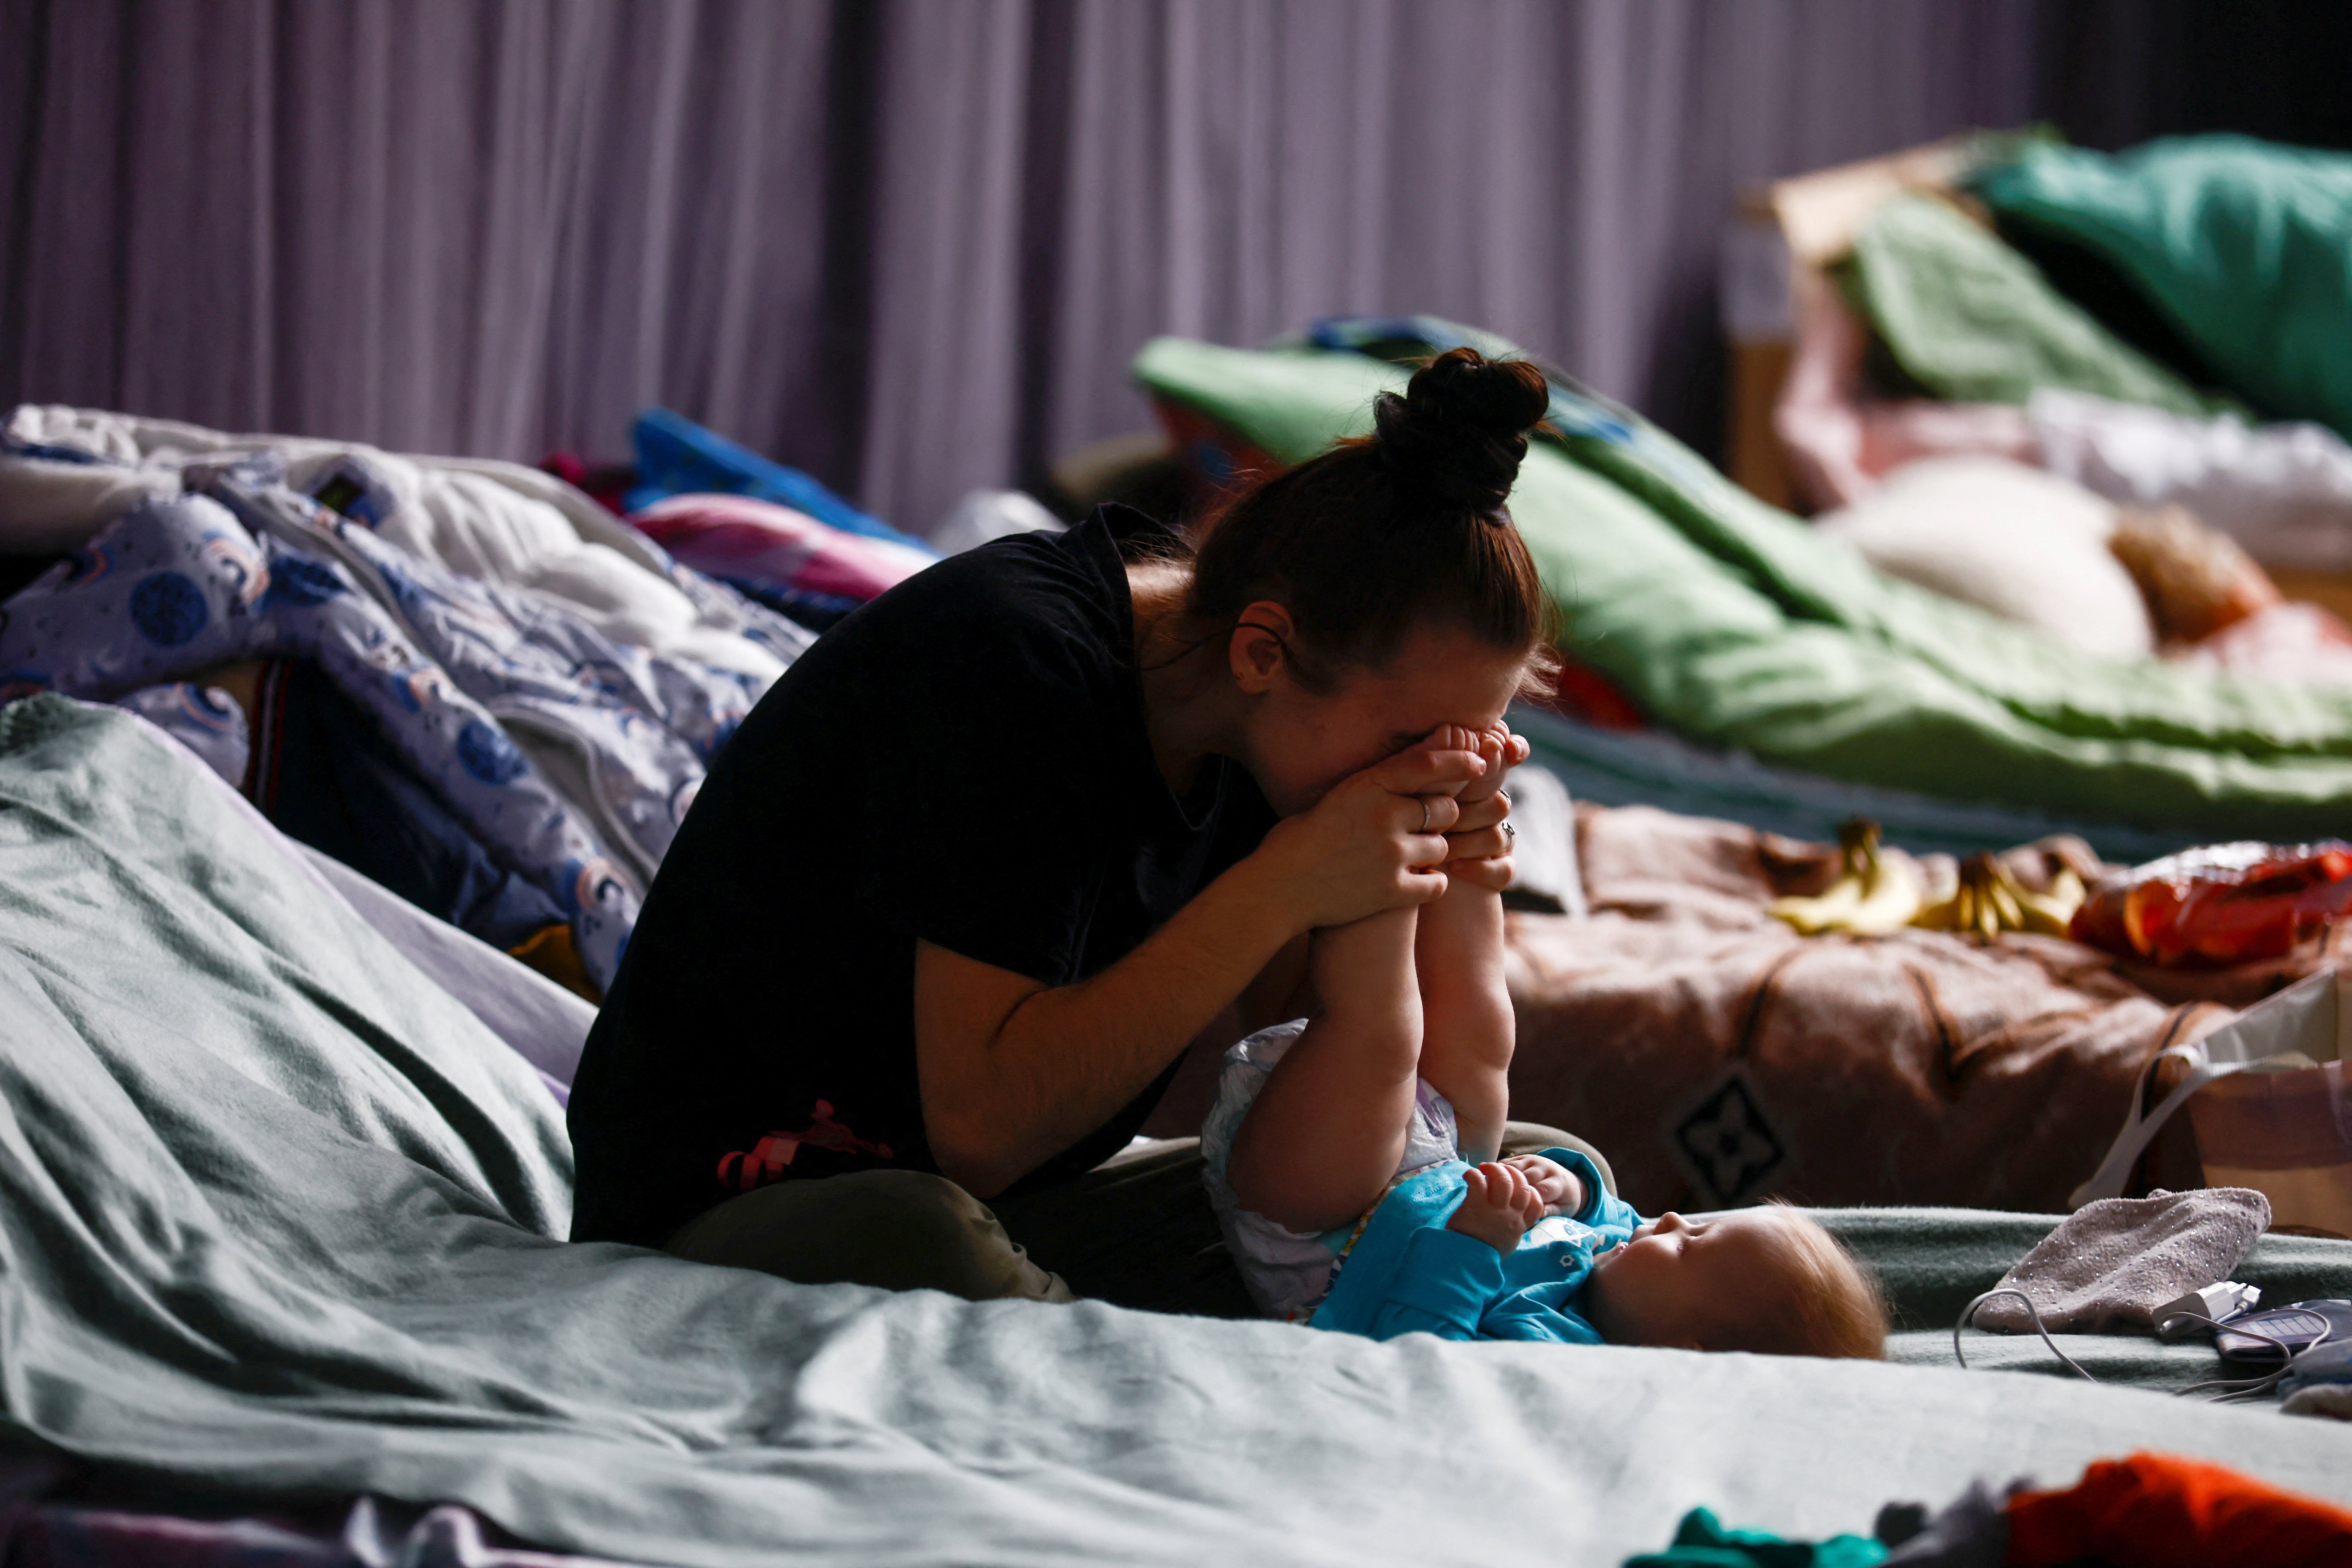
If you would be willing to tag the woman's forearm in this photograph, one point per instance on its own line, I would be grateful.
(1001, 1095)
(1013, 1072)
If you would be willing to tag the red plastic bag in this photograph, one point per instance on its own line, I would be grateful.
(2223, 904)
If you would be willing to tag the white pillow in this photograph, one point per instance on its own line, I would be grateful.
(2022, 543)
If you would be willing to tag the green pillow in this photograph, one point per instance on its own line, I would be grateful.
(1973, 322)
(2245, 248)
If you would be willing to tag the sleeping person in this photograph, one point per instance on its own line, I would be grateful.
(1354, 1159)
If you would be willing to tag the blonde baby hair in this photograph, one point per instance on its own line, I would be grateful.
(1826, 1302)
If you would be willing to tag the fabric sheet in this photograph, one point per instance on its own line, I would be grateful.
(543, 1023)
(281, 1219)
(79, 1532)
(743, 537)
(676, 456)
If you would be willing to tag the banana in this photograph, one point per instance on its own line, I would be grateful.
(2051, 912)
(1987, 910)
(1825, 909)
(1870, 896)
(2008, 913)
(1890, 897)
(1989, 900)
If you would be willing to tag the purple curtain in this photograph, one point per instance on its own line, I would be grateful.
(910, 244)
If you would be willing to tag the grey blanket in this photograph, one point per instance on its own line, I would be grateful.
(277, 1222)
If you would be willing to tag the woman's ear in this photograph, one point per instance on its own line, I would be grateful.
(1259, 646)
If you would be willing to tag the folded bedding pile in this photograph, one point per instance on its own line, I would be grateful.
(65, 473)
(1734, 624)
(464, 678)
(281, 1227)
(676, 456)
(809, 570)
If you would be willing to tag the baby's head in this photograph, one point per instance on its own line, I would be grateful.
(1763, 1279)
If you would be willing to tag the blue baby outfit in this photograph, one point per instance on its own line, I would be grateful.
(1408, 1274)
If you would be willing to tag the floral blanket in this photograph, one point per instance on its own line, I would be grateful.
(571, 756)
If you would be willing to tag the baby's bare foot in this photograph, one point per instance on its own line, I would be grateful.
(1457, 738)
(1494, 749)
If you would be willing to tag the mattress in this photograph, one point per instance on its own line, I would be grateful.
(281, 1218)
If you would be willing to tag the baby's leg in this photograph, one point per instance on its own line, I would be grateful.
(1467, 1027)
(1322, 1141)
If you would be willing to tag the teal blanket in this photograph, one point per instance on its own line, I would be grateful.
(1735, 624)
(277, 1221)
(2244, 246)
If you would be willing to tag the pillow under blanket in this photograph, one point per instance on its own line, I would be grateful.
(2118, 1260)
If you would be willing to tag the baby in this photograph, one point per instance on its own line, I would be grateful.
(1355, 1161)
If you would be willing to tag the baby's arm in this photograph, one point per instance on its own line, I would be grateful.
(1325, 1134)
(1467, 1028)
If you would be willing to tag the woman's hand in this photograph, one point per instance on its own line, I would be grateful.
(1373, 843)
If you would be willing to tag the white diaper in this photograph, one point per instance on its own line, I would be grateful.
(1288, 1272)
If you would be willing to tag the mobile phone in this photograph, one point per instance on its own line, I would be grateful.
(2282, 1332)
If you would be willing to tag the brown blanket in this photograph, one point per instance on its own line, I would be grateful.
(1718, 1058)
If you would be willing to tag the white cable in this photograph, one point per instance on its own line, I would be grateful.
(2032, 1312)
(2232, 1388)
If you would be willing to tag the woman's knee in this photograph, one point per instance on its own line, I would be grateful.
(899, 1230)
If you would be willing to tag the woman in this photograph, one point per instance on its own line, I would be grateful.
(957, 896)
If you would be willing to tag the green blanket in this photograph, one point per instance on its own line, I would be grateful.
(278, 1225)
(1735, 624)
(2243, 248)
(1972, 320)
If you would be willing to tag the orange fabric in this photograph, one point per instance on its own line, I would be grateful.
(2156, 1510)
(554, 953)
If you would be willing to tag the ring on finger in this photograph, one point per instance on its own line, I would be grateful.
(1509, 832)
(1424, 814)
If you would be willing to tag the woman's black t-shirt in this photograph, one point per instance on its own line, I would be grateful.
(963, 760)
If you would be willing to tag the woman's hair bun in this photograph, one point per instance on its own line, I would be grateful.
(1460, 429)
